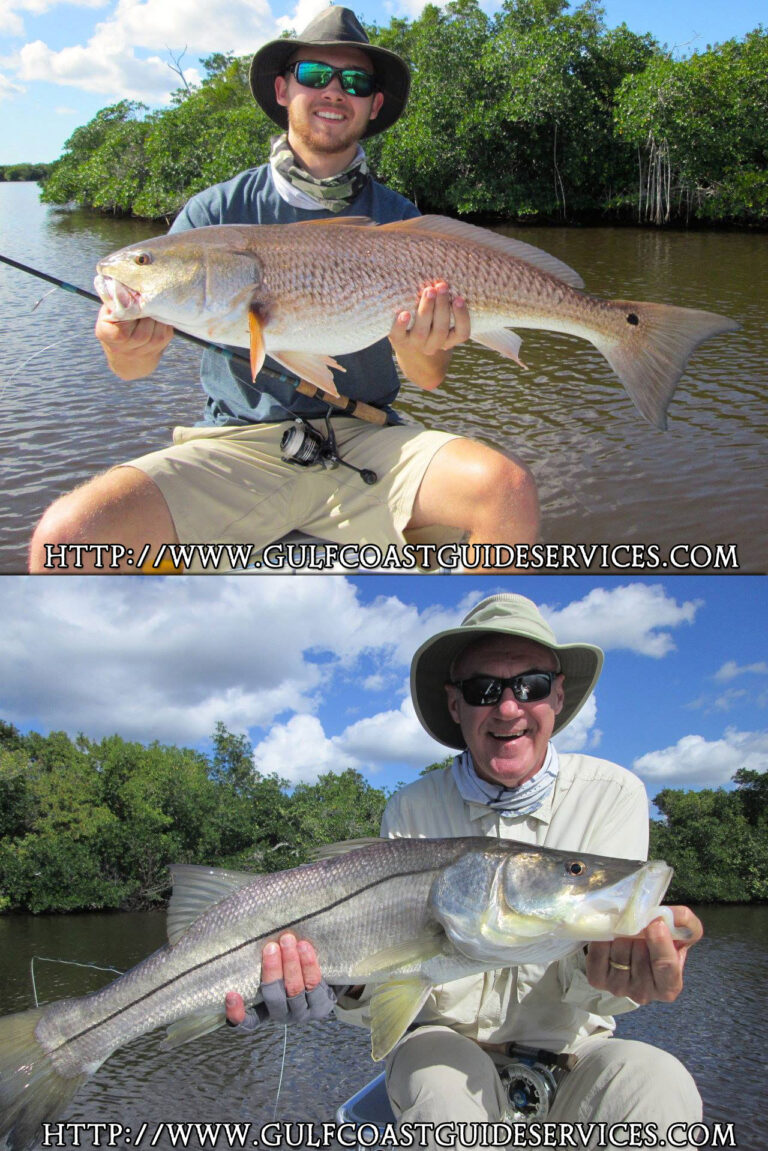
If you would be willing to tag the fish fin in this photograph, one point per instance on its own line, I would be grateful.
(394, 1006)
(459, 230)
(194, 1026)
(503, 341)
(338, 221)
(31, 1089)
(310, 367)
(410, 952)
(651, 357)
(258, 351)
(195, 890)
(343, 847)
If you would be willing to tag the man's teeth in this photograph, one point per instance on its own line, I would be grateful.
(330, 116)
(509, 735)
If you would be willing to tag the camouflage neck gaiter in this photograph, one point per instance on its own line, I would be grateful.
(334, 192)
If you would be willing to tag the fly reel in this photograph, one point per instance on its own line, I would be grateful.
(530, 1088)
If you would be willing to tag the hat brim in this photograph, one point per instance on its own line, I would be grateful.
(580, 664)
(393, 78)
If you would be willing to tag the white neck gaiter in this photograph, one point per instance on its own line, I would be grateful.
(522, 800)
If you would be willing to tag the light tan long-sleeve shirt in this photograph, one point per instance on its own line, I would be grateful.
(595, 807)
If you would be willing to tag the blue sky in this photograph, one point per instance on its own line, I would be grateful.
(63, 60)
(315, 668)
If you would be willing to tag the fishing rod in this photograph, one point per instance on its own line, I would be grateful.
(344, 404)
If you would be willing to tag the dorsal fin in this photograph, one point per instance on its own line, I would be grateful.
(195, 889)
(336, 221)
(343, 847)
(459, 230)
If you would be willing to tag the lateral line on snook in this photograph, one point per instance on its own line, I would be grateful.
(233, 951)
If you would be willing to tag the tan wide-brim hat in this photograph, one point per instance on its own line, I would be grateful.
(333, 28)
(503, 615)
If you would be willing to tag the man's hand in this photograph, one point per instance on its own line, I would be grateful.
(439, 324)
(292, 985)
(645, 967)
(133, 347)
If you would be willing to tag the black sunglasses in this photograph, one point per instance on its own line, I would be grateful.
(486, 690)
(313, 74)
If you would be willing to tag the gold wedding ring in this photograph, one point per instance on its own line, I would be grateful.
(619, 966)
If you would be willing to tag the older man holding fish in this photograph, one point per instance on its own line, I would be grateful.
(497, 688)
(227, 480)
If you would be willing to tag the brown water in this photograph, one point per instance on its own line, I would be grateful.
(718, 1028)
(604, 475)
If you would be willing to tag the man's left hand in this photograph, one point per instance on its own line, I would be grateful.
(648, 966)
(439, 323)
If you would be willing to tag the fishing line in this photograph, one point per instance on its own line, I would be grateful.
(44, 296)
(344, 404)
(282, 1069)
(29, 359)
(70, 962)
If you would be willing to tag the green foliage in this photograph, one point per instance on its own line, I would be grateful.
(699, 129)
(10, 173)
(94, 824)
(717, 841)
(439, 766)
(536, 111)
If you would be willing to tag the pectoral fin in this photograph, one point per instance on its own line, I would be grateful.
(257, 344)
(194, 1026)
(503, 341)
(314, 368)
(394, 1006)
(411, 953)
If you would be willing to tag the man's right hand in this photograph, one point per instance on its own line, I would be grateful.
(292, 984)
(133, 347)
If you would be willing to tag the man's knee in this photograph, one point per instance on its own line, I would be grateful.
(111, 508)
(620, 1080)
(437, 1074)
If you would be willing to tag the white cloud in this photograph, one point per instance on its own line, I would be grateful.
(696, 761)
(158, 659)
(115, 70)
(581, 734)
(129, 53)
(300, 751)
(7, 88)
(11, 12)
(165, 659)
(635, 617)
(394, 736)
(731, 670)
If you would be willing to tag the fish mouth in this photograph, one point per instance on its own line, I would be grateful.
(122, 300)
(627, 906)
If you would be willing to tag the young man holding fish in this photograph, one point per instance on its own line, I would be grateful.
(226, 481)
(497, 688)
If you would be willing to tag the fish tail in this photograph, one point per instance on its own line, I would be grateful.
(32, 1091)
(652, 348)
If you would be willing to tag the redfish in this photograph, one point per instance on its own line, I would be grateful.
(305, 293)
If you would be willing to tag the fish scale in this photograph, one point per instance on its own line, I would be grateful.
(304, 293)
(402, 915)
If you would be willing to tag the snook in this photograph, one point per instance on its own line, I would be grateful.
(304, 293)
(402, 914)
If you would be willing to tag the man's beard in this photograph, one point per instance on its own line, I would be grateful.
(305, 133)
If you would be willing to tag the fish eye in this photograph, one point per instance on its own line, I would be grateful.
(142, 258)
(575, 867)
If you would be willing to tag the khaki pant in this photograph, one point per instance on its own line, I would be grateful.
(438, 1076)
(230, 485)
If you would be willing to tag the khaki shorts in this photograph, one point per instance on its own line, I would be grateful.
(229, 484)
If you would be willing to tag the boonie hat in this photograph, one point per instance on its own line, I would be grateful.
(334, 28)
(503, 615)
